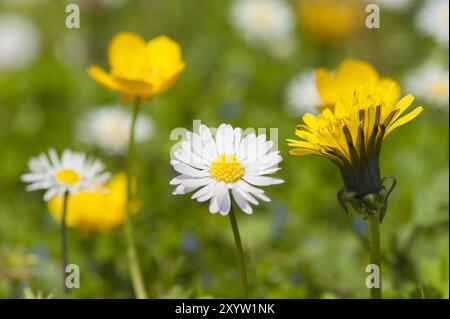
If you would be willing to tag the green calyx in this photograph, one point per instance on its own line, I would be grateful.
(370, 204)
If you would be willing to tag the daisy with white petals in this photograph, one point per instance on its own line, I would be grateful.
(433, 19)
(71, 173)
(228, 164)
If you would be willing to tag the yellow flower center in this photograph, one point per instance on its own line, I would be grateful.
(68, 176)
(226, 168)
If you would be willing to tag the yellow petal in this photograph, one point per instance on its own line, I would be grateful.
(326, 86)
(165, 61)
(302, 151)
(165, 84)
(355, 72)
(392, 87)
(99, 75)
(310, 120)
(127, 57)
(164, 53)
(136, 88)
(405, 119)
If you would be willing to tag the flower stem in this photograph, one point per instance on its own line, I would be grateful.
(375, 253)
(65, 290)
(135, 270)
(240, 252)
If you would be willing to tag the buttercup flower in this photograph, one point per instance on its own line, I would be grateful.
(342, 83)
(108, 127)
(262, 20)
(302, 95)
(430, 82)
(229, 162)
(70, 174)
(98, 210)
(433, 20)
(138, 68)
(351, 133)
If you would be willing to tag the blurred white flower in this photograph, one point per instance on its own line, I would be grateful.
(430, 82)
(109, 128)
(262, 20)
(302, 95)
(394, 5)
(19, 42)
(433, 19)
(228, 163)
(71, 173)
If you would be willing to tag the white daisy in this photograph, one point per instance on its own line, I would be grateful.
(231, 161)
(430, 82)
(109, 127)
(19, 42)
(433, 19)
(72, 173)
(302, 95)
(262, 20)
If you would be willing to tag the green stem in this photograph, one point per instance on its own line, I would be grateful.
(65, 290)
(375, 253)
(240, 252)
(135, 270)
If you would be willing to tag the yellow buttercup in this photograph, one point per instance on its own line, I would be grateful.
(342, 83)
(138, 68)
(99, 210)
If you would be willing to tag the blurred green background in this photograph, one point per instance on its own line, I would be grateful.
(301, 245)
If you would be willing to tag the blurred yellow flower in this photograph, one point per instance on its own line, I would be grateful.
(351, 134)
(101, 210)
(140, 69)
(342, 83)
(330, 21)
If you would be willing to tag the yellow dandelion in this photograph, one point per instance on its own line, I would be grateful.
(138, 68)
(99, 210)
(351, 133)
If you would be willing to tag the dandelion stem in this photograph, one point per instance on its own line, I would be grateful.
(135, 270)
(375, 253)
(64, 258)
(240, 252)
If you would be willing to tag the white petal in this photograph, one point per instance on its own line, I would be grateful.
(196, 182)
(49, 194)
(241, 202)
(183, 189)
(188, 170)
(237, 139)
(224, 203)
(220, 139)
(213, 205)
(262, 172)
(204, 190)
(262, 180)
